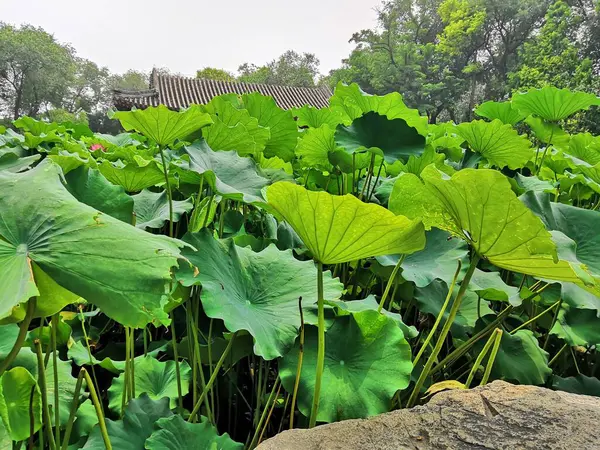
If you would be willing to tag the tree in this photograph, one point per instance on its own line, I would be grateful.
(132, 80)
(35, 70)
(211, 73)
(290, 69)
(90, 89)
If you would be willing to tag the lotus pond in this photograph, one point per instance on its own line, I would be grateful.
(213, 276)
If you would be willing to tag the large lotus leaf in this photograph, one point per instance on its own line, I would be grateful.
(393, 139)
(551, 103)
(502, 111)
(5, 440)
(89, 186)
(85, 419)
(416, 164)
(228, 174)
(370, 304)
(52, 297)
(235, 129)
(480, 206)
(585, 147)
(353, 102)
(315, 146)
(161, 124)
(431, 298)
(309, 116)
(579, 384)
(366, 362)
(489, 285)
(25, 358)
(122, 269)
(121, 139)
(16, 389)
(438, 260)
(174, 433)
(342, 228)
(66, 388)
(281, 124)
(157, 379)
(37, 127)
(136, 427)
(132, 176)
(581, 225)
(577, 326)
(152, 209)
(534, 183)
(519, 359)
(11, 162)
(257, 292)
(497, 142)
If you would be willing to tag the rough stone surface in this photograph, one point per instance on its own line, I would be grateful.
(497, 416)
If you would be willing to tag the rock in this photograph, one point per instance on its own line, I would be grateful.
(496, 416)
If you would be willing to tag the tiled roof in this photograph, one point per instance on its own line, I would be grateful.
(178, 92)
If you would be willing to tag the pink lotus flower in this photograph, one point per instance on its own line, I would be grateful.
(95, 147)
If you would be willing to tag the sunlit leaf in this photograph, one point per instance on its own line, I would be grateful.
(17, 386)
(502, 111)
(552, 104)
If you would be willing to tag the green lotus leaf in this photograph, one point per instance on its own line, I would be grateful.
(152, 209)
(203, 214)
(519, 359)
(85, 419)
(16, 386)
(132, 176)
(489, 285)
(80, 249)
(25, 358)
(121, 139)
(315, 146)
(498, 143)
(431, 298)
(577, 326)
(553, 104)
(502, 111)
(228, 174)
(342, 228)
(44, 333)
(161, 124)
(438, 260)
(155, 378)
(71, 161)
(534, 183)
(38, 127)
(450, 145)
(66, 388)
(309, 116)
(393, 139)
(352, 101)
(370, 304)
(11, 162)
(52, 297)
(136, 427)
(89, 186)
(579, 384)
(548, 132)
(416, 164)
(257, 292)
(235, 129)
(585, 147)
(5, 440)
(174, 433)
(281, 124)
(479, 206)
(367, 361)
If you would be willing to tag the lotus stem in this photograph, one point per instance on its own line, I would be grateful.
(482, 353)
(198, 358)
(270, 401)
(299, 368)
(176, 357)
(21, 337)
(73, 412)
(492, 359)
(44, 392)
(320, 348)
(55, 370)
(212, 378)
(99, 413)
(168, 186)
(390, 282)
(523, 325)
(440, 315)
(444, 333)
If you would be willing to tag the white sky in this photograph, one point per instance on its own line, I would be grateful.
(185, 35)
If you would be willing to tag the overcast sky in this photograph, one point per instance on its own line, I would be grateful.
(185, 35)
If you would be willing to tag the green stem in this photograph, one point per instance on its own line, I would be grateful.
(320, 347)
(99, 413)
(440, 316)
(73, 412)
(168, 185)
(482, 353)
(270, 400)
(198, 358)
(444, 333)
(390, 282)
(176, 356)
(523, 325)
(55, 370)
(299, 368)
(554, 318)
(492, 358)
(22, 336)
(562, 349)
(212, 378)
(44, 392)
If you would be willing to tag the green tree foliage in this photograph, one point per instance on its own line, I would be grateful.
(289, 69)
(211, 73)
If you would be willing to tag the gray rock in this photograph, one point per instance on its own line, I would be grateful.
(497, 416)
